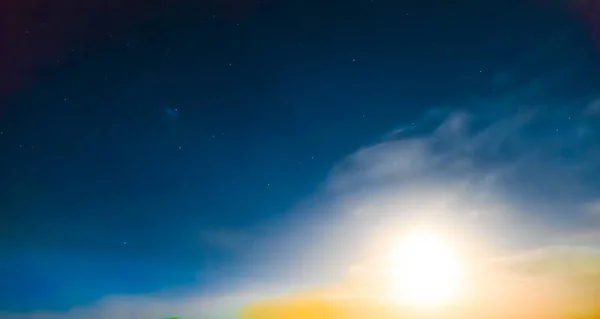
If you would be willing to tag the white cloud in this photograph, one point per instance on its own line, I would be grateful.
(461, 176)
(495, 177)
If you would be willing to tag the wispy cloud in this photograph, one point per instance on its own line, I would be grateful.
(505, 187)
(512, 179)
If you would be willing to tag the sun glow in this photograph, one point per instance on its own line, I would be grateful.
(425, 272)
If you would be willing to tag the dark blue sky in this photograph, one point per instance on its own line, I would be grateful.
(135, 129)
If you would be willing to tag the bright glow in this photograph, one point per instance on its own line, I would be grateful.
(426, 272)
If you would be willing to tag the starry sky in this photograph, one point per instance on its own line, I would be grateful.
(154, 147)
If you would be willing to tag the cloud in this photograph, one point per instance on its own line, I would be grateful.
(184, 304)
(563, 261)
(512, 181)
(499, 184)
(553, 282)
(511, 168)
(518, 188)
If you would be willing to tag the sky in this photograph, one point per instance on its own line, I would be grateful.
(193, 158)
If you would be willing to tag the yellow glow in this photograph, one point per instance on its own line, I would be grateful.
(425, 272)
